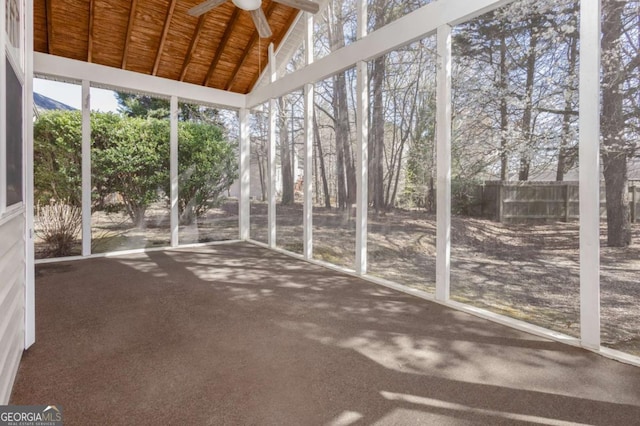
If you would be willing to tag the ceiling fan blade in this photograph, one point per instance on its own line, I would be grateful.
(204, 7)
(262, 25)
(306, 5)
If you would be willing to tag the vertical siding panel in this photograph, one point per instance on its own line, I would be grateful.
(12, 284)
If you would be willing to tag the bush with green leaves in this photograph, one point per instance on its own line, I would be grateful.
(130, 157)
(57, 141)
(465, 199)
(207, 167)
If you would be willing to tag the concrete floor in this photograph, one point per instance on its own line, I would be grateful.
(237, 334)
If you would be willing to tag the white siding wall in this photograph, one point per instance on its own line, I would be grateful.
(12, 297)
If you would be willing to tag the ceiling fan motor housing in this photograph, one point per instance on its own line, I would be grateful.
(248, 4)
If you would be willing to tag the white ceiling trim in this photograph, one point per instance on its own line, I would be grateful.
(57, 67)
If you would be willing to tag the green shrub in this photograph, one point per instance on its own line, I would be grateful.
(57, 141)
(207, 168)
(130, 158)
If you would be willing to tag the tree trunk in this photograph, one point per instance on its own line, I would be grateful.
(504, 119)
(344, 163)
(285, 156)
(614, 157)
(136, 214)
(376, 157)
(323, 170)
(565, 160)
(345, 166)
(525, 157)
(263, 183)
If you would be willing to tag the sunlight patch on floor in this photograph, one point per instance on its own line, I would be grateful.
(346, 418)
(436, 403)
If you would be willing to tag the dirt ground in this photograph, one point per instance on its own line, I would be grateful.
(528, 272)
(115, 232)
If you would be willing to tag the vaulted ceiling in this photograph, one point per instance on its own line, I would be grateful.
(221, 49)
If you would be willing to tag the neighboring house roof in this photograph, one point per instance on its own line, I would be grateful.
(43, 103)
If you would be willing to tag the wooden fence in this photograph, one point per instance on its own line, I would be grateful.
(539, 201)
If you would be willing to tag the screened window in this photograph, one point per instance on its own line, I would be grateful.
(14, 137)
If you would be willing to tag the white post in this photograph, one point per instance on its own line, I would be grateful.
(173, 172)
(363, 19)
(362, 167)
(245, 175)
(443, 140)
(308, 46)
(86, 168)
(308, 171)
(273, 105)
(589, 134)
(3, 115)
(308, 146)
(30, 294)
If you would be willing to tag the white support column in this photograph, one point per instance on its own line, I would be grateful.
(173, 172)
(363, 18)
(362, 167)
(308, 46)
(589, 133)
(309, 94)
(308, 171)
(273, 105)
(3, 115)
(245, 175)
(30, 293)
(86, 168)
(443, 141)
(362, 150)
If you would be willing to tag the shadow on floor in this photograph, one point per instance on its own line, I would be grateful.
(241, 335)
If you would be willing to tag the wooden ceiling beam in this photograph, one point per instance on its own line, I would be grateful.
(132, 13)
(247, 50)
(48, 14)
(90, 47)
(163, 37)
(192, 46)
(222, 45)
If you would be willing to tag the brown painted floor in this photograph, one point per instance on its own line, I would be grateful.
(240, 335)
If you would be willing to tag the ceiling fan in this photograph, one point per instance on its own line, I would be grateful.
(254, 7)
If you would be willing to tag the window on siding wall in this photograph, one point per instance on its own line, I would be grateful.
(14, 137)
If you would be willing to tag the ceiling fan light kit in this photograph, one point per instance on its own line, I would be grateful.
(254, 7)
(248, 4)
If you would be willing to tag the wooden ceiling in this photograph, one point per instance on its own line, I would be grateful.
(221, 49)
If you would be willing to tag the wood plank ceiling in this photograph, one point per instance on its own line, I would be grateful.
(221, 49)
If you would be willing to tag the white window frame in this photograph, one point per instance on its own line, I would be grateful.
(16, 53)
(14, 56)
